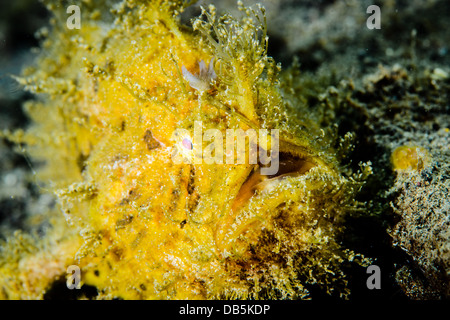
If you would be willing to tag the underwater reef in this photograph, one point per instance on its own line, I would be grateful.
(127, 179)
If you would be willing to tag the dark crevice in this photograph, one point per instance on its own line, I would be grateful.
(59, 291)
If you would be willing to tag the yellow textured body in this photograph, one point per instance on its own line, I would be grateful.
(154, 229)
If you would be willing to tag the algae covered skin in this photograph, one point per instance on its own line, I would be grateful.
(119, 104)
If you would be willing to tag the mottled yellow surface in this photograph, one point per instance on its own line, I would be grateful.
(410, 158)
(112, 97)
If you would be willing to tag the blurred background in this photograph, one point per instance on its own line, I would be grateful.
(19, 197)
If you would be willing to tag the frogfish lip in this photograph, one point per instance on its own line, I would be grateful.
(289, 166)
